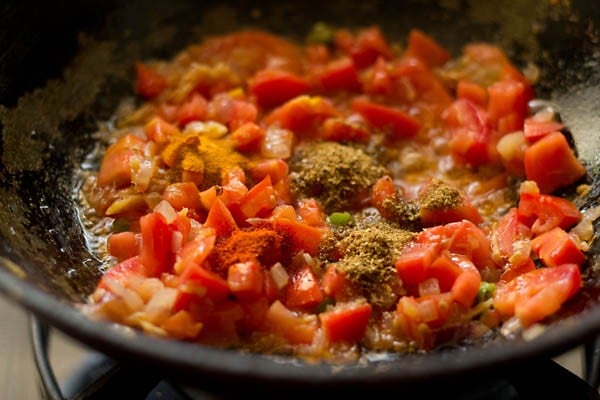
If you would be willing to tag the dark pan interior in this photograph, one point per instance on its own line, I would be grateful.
(65, 65)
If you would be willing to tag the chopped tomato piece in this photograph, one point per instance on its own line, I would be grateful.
(294, 327)
(556, 247)
(196, 280)
(246, 279)
(123, 245)
(335, 284)
(548, 212)
(156, 251)
(196, 250)
(365, 47)
(254, 314)
(302, 236)
(273, 87)
(275, 168)
(471, 140)
(346, 322)
(182, 195)
(463, 238)
(399, 124)
(301, 114)
(259, 200)
(115, 168)
(303, 291)
(465, 287)
(249, 51)
(472, 92)
(339, 130)
(149, 83)
(192, 110)
(160, 130)
(510, 229)
(551, 163)
(413, 265)
(340, 74)
(414, 82)
(508, 99)
(122, 272)
(538, 294)
(247, 137)
(514, 270)
(311, 212)
(445, 270)
(535, 129)
(220, 218)
(384, 192)
(425, 48)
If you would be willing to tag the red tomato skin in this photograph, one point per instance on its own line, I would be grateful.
(413, 265)
(302, 236)
(274, 87)
(556, 247)
(426, 48)
(123, 245)
(149, 83)
(303, 291)
(340, 74)
(551, 163)
(246, 280)
(220, 218)
(400, 124)
(115, 168)
(122, 271)
(156, 252)
(521, 296)
(347, 323)
(548, 212)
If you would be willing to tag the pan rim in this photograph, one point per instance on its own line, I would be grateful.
(128, 344)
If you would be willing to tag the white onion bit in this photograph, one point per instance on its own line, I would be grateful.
(167, 211)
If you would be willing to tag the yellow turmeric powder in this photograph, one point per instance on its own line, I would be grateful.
(201, 159)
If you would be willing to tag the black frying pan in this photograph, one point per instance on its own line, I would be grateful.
(64, 66)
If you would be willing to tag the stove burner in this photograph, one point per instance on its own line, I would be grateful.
(100, 377)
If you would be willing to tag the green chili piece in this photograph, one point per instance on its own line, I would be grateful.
(340, 218)
(486, 291)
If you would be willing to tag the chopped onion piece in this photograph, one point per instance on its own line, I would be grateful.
(511, 147)
(428, 310)
(511, 327)
(584, 230)
(533, 331)
(165, 209)
(142, 174)
(279, 275)
(159, 307)
(537, 105)
(277, 143)
(211, 129)
(195, 228)
(429, 286)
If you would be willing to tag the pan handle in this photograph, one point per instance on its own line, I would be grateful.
(592, 362)
(105, 379)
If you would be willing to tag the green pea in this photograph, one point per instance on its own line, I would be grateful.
(340, 218)
(486, 291)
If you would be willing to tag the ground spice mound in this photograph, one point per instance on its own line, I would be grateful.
(262, 245)
(368, 260)
(440, 196)
(339, 176)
